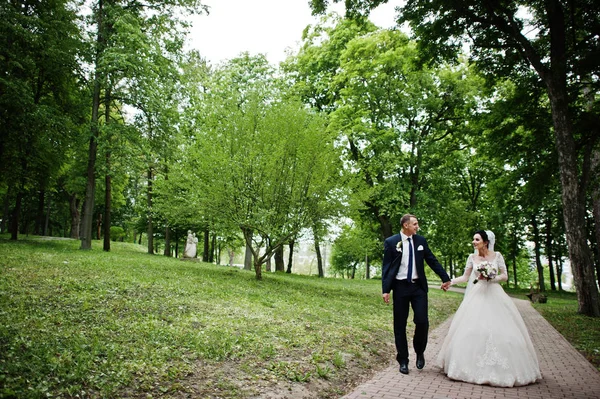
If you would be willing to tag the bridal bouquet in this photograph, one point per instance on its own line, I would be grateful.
(487, 270)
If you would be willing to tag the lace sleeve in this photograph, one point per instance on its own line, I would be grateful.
(468, 269)
(502, 274)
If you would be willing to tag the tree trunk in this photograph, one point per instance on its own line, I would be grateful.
(368, 267)
(167, 251)
(213, 248)
(37, 229)
(107, 206)
(279, 265)
(205, 251)
(573, 192)
(268, 264)
(74, 208)
(248, 255)
(595, 171)
(14, 221)
(319, 257)
(90, 189)
(150, 227)
(46, 229)
(574, 209)
(549, 253)
(99, 226)
(559, 269)
(5, 212)
(538, 261)
(290, 256)
(515, 253)
(176, 244)
(257, 268)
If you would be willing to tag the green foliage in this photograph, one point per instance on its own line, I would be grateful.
(117, 233)
(351, 248)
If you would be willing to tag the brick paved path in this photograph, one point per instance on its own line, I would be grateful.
(565, 372)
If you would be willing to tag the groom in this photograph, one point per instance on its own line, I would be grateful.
(404, 273)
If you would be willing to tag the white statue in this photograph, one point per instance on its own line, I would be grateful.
(190, 245)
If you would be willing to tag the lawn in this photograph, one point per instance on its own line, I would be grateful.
(127, 324)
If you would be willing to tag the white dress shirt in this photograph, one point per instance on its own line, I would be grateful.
(403, 270)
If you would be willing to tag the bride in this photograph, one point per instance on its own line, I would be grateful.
(488, 342)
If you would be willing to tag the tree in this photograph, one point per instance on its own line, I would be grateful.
(115, 22)
(394, 118)
(558, 41)
(260, 158)
(40, 98)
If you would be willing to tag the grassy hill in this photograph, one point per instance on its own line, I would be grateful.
(127, 324)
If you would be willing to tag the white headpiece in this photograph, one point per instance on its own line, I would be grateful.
(491, 239)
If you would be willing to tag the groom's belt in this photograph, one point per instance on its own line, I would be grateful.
(404, 280)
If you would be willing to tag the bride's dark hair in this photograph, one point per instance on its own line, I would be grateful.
(484, 237)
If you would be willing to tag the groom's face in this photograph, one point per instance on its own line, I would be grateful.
(411, 227)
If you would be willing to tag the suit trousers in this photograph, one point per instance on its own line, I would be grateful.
(406, 295)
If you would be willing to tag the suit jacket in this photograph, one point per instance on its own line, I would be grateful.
(392, 259)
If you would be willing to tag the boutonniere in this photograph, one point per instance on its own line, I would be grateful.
(399, 246)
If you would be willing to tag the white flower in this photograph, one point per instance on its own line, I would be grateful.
(399, 246)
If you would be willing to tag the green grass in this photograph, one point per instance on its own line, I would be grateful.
(127, 324)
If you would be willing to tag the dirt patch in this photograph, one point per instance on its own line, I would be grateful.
(235, 380)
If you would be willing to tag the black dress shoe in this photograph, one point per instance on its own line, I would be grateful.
(420, 361)
(404, 367)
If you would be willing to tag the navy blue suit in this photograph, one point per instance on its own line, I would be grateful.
(409, 294)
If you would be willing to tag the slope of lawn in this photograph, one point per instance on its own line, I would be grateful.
(124, 323)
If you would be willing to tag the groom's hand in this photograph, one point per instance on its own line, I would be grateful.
(446, 285)
(386, 297)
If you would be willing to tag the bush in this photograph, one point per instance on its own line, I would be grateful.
(117, 233)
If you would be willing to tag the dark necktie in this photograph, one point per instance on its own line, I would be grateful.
(410, 261)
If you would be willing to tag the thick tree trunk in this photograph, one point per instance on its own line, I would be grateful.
(573, 202)
(290, 256)
(150, 227)
(279, 265)
(573, 191)
(536, 249)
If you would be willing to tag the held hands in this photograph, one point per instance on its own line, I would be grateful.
(446, 285)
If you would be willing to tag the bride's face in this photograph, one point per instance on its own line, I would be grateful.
(478, 242)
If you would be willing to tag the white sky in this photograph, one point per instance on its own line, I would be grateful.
(262, 26)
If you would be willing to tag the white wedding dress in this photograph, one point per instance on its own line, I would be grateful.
(488, 342)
